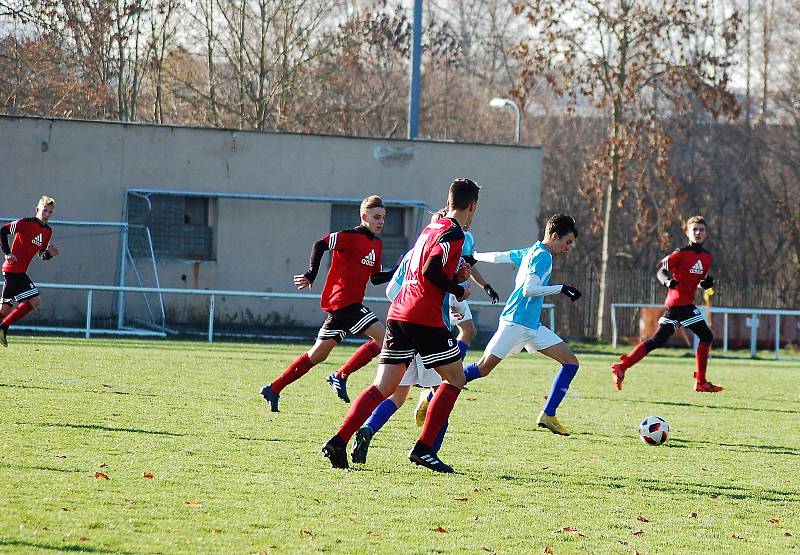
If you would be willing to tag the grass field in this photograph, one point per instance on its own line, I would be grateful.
(196, 463)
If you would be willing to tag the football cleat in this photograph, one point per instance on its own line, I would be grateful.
(619, 375)
(361, 444)
(337, 455)
(707, 387)
(270, 397)
(339, 385)
(552, 424)
(3, 340)
(423, 456)
(422, 406)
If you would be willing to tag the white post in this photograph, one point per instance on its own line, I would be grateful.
(752, 322)
(614, 325)
(777, 335)
(211, 300)
(88, 314)
(725, 332)
(123, 260)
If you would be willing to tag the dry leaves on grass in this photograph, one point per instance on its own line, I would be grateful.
(736, 537)
(787, 534)
(472, 398)
(693, 515)
(64, 509)
(148, 475)
(440, 530)
(307, 533)
(61, 456)
(638, 533)
(103, 465)
(640, 518)
(622, 542)
(548, 550)
(713, 495)
(83, 539)
(101, 476)
(462, 499)
(193, 504)
(774, 521)
(571, 530)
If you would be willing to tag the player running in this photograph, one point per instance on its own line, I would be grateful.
(31, 237)
(681, 272)
(520, 322)
(355, 258)
(415, 324)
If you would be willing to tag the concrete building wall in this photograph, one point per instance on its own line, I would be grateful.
(88, 167)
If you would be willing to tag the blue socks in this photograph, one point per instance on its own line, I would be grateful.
(437, 444)
(559, 388)
(463, 347)
(471, 372)
(381, 415)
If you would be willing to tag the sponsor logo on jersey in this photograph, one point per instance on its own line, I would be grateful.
(369, 260)
(697, 268)
(37, 240)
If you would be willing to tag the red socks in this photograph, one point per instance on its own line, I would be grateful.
(360, 358)
(22, 310)
(637, 354)
(296, 370)
(701, 356)
(361, 410)
(438, 412)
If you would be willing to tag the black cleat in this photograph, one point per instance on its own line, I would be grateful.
(339, 385)
(423, 456)
(337, 455)
(270, 397)
(361, 444)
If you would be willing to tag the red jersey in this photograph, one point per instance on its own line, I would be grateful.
(420, 301)
(688, 265)
(355, 256)
(30, 237)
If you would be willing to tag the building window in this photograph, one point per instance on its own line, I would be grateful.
(395, 240)
(182, 227)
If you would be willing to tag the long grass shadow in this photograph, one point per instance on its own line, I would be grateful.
(691, 405)
(20, 386)
(743, 447)
(46, 468)
(12, 542)
(99, 428)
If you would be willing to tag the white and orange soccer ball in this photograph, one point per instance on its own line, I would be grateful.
(654, 430)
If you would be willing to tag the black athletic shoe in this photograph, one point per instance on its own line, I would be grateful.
(361, 444)
(3, 340)
(337, 455)
(339, 385)
(270, 397)
(423, 456)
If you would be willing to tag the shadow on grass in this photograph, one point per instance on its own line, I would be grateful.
(55, 547)
(46, 468)
(20, 386)
(70, 390)
(105, 429)
(743, 447)
(692, 405)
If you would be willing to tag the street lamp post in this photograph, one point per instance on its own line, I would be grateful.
(508, 103)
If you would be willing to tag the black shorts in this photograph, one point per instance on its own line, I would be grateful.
(350, 319)
(677, 316)
(436, 346)
(18, 287)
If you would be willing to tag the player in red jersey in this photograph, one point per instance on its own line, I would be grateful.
(416, 324)
(356, 258)
(31, 237)
(681, 272)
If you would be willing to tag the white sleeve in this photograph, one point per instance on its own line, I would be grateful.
(493, 257)
(533, 287)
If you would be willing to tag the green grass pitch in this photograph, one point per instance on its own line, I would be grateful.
(197, 464)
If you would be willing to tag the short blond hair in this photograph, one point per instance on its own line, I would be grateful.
(47, 201)
(696, 220)
(373, 201)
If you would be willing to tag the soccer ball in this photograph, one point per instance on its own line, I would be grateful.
(654, 430)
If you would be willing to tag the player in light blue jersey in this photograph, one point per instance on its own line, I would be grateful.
(520, 322)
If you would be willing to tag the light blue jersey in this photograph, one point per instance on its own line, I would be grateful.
(468, 249)
(527, 311)
(396, 283)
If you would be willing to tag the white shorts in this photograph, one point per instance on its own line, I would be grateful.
(459, 311)
(510, 338)
(417, 374)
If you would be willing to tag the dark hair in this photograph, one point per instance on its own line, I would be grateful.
(371, 202)
(561, 225)
(463, 191)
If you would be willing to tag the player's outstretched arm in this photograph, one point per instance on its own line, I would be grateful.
(665, 277)
(494, 257)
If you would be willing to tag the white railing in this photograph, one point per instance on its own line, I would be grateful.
(752, 322)
(212, 294)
